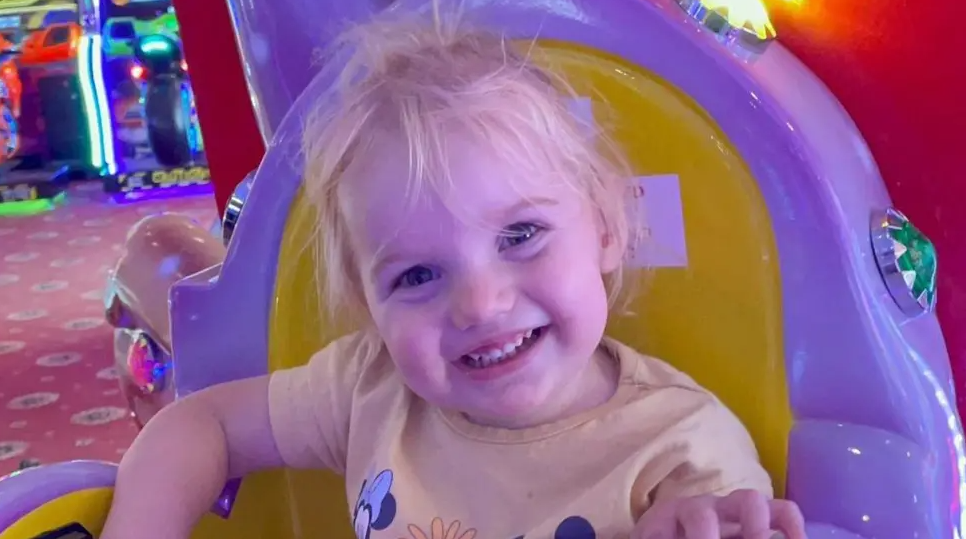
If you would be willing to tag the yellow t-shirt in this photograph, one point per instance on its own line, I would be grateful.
(409, 464)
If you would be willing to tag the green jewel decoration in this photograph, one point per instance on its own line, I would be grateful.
(906, 260)
(916, 258)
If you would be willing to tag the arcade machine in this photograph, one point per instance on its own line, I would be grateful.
(234, 143)
(15, 196)
(157, 140)
(58, 71)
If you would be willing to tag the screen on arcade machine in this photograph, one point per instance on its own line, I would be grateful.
(11, 28)
(158, 137)
(125, 20)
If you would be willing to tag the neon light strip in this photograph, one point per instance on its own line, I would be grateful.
(165, 193)
(105, 117)
(85, 77)
(103, 105)
(31, 207)
(8, 10)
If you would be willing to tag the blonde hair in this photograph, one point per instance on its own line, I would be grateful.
(423, 77)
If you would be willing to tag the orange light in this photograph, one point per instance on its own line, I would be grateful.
(184, 66)
(137, 72)
(749, 14)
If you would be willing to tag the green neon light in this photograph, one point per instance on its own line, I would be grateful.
(151, 46)
(85, 77)
(103, 110)
(25, 208)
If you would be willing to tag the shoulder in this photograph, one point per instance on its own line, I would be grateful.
(649, 373)
(312, 406)
(654, 387)
(349, 360)
(353, 355)
(692, 437)
(355, 347)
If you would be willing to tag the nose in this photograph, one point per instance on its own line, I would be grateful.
(480, 298)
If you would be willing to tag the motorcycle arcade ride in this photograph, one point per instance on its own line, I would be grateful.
(175, 159)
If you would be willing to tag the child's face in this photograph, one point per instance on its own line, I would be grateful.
(489, 297)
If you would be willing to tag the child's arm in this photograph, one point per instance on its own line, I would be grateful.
(716, 456)
(713, 485)
(179, 463)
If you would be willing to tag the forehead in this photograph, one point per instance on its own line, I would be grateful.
(479, 187)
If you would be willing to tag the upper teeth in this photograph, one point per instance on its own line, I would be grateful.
(496, 354)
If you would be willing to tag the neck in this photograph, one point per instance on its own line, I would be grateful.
(592, 388)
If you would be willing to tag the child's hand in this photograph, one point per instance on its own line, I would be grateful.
(743, 514)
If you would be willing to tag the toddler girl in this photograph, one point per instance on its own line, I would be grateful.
(478, 230)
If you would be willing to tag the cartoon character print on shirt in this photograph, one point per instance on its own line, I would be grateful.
(577, 528)
(438, 530)
(376, 507)
(570, 528)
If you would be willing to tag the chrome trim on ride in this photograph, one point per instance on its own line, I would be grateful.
(906, 260)
(234, 207)
(741, 40)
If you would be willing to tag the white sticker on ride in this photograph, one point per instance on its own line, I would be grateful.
(659, 240)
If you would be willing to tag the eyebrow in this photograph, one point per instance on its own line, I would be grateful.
(383, 260)
(528, 203)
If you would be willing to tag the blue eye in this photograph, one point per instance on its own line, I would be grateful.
(518, 234)
(415, 276)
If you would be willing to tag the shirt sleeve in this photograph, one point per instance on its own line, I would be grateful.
(715, 455)
(310, 407)
(706, 451)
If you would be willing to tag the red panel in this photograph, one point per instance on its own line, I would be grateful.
(897, 66)
(233, 143)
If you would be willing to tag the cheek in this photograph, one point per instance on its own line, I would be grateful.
(573, 295)
(412, 336)
(403, 330)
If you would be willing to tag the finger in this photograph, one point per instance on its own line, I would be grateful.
(750, 509)
(698, 518)
(659, 522)
(730, 530)
(656, 529)
(787, 518)
(666, 530)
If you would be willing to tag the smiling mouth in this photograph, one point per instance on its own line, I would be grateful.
(496, 356)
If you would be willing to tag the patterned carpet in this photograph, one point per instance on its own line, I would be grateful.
(59, 398)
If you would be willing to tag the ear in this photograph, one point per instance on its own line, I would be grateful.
(611, 251)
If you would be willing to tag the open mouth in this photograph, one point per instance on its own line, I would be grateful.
(509, 351)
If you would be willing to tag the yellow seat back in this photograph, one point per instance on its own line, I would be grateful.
(718, 318)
